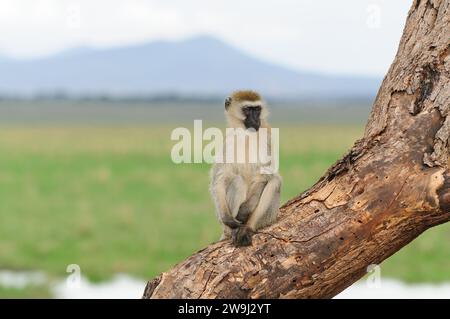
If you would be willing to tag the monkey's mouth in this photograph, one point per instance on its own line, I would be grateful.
(252, 123)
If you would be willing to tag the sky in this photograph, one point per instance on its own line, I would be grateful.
(338, 37)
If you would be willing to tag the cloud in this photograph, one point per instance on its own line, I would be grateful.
(354, 36)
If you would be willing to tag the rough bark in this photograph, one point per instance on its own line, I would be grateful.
(390, 187)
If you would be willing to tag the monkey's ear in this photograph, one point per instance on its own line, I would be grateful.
(227, 102)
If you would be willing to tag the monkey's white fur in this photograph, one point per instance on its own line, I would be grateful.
(245, 199)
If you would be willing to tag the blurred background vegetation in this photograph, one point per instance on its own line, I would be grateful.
(91, 182)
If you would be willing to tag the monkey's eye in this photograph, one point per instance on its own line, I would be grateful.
(250, 109)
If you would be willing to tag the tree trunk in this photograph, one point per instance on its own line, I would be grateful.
(390, 187)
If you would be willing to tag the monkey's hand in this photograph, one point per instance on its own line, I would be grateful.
(230, 221)
(244, 213)
(242, 236)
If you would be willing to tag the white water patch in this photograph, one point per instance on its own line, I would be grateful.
(21, 279)
(126, 287)
(394, 289)
(120, 287)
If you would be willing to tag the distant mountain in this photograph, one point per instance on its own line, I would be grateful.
(196, 66)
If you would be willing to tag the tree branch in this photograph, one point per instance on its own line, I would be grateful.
(389, 188)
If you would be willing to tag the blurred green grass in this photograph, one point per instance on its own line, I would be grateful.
(109, 199)
(28, 292)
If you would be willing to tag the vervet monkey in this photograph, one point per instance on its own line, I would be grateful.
(246, 199)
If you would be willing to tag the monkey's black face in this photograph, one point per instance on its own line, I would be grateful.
(252, 117)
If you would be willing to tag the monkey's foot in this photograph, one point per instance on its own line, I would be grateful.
(242, 236)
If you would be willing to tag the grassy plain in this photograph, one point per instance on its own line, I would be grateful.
(108, 198)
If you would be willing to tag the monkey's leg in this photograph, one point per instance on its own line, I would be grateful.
(220, 199)
(247, 207)
(269, 203)
(235, 195)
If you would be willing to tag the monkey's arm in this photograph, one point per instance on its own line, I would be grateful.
(247, 207)
(260, 210)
